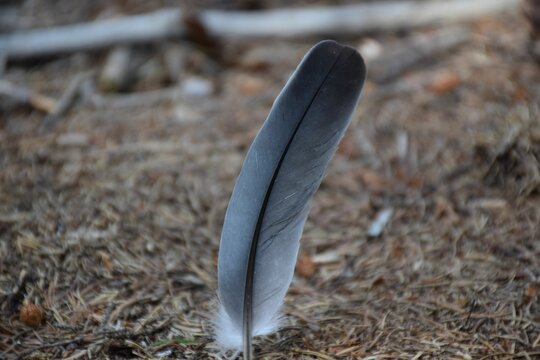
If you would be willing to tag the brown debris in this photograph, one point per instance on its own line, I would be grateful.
(32, 315)
(305, 267)
(444, 81)
(531, 291)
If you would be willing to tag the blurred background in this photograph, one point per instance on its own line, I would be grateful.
(123, 126)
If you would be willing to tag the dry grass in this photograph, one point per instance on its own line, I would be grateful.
(111, 223)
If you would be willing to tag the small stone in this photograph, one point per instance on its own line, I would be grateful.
(370, 49)
(197, 87)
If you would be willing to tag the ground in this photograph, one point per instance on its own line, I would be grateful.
(110, 221)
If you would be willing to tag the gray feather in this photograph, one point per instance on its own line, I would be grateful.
(270, 201)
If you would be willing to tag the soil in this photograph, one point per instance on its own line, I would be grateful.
(110, 220)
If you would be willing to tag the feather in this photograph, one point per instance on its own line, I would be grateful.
(270, 200)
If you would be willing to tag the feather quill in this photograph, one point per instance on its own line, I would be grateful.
(270, 200)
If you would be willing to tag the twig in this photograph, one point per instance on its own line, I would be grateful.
(26, 96)
(77, 355)
(27, 352)
(65, 103)
(69, 96)
(106, 316)
(114, 315)
(290, 22)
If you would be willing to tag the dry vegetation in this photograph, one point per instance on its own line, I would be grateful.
(110, 222)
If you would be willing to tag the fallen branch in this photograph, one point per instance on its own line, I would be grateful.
(93, 35)
(349, 19)
(26, 96)
(394, 61)
(290, 22)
